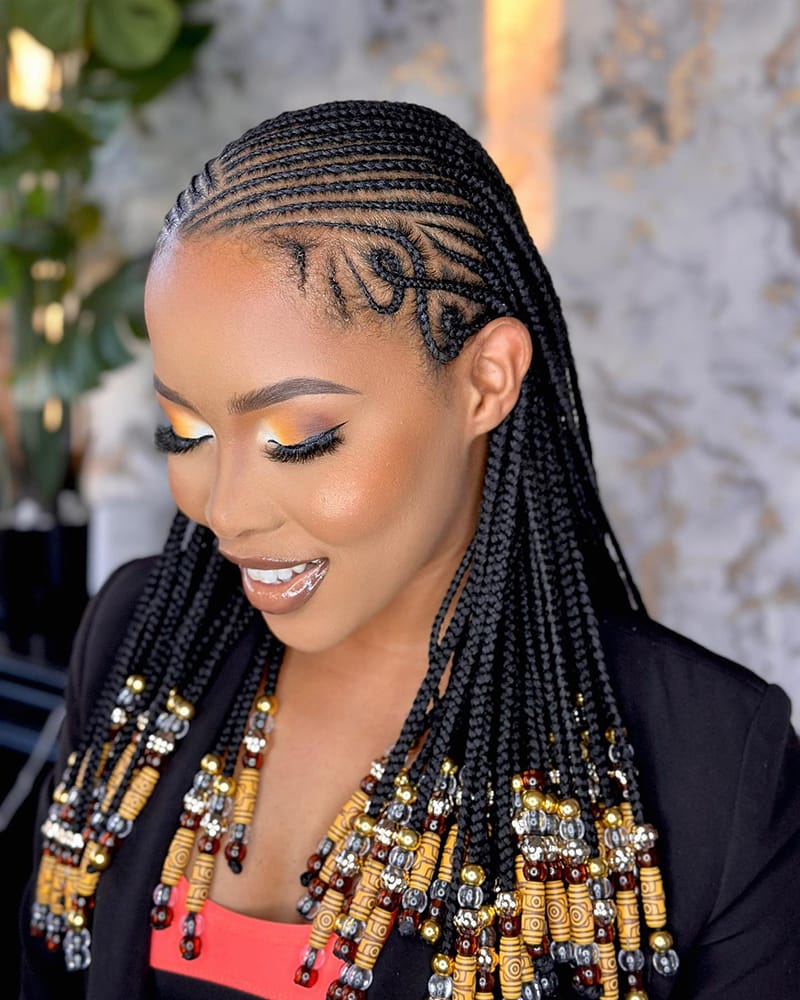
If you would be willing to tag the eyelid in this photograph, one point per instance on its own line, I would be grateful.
(319, 443)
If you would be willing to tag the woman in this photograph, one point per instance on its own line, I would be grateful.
(391, 529)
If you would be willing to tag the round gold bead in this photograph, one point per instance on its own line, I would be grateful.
(596, 867)
(486, 915)
(610, 735)
(533, 799)
(363, 824)
(406, 794)
(339, 923)
(408, 839)
(72, 760)
(76, 920)
(267, 703)
(442, 965)
(100, 859)
(136, 683)
(60, 794)
(550, 803)
(660, 940)
(473, 875)
(636, 995)
(430, 931)
(171, 699)
(569, 809)
(579, 700)
(184, 709)
(449, 766)
(613, 817)
(517, 784)
(211, 763)
(401, 779)
(224, 785)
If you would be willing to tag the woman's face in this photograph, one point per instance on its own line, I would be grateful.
(331, 467)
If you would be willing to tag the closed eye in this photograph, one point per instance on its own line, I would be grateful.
(305, 451)
(168, 441)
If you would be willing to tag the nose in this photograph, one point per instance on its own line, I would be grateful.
(239, 501)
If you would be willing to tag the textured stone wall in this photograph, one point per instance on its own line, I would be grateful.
(677, 256)
(677, 235)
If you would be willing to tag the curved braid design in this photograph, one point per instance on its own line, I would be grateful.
(392, 209)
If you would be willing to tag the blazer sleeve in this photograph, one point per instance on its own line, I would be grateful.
(104, 622)
(750, 944)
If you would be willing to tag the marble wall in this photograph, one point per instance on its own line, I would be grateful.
(676, 235)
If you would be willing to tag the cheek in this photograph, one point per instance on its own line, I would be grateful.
(188, 485)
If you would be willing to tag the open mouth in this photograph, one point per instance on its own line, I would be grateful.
(278, 591)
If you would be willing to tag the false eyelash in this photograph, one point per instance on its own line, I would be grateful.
(321, 444)
(168, 441)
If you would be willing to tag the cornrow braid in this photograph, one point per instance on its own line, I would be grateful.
(516, 783)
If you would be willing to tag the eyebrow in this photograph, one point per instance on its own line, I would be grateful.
(268, 395)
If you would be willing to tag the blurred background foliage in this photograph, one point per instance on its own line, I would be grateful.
(73, 298)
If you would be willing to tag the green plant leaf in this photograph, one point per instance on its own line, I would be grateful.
(58, 24)
(133, 34)
(43, 140)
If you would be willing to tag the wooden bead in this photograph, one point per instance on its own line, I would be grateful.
(377, 930)
(511, 967)
(138, 792)
(533, 912)
(608, 971)
(425, 861)
(628, 920)
(581, 914)
(325, 918)
(653, 901)
(245, 803)
(178, 855)
(120, 769)
(446, 864)
(354, 807)
(44, 878)
(202, 873)
(366, 890)
(557, 911)
(86, 883)
(464, 969)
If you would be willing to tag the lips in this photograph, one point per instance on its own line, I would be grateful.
(276, 586)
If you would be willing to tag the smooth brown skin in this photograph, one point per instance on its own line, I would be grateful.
(393, 509)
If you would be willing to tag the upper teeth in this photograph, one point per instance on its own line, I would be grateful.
(275, 575)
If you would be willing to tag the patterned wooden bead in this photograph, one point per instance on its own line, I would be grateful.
(653, 901)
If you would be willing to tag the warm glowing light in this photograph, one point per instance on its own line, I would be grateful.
(53, 414)
(522, 60)
(54, 323)
(34, 78)
(48, 270)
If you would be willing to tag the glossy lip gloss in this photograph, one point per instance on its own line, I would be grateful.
(284, 596)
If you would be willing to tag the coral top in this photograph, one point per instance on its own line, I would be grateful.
(256, 958)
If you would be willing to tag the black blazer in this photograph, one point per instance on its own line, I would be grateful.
(720, 768)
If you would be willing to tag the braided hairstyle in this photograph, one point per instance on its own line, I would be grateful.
(393, 209)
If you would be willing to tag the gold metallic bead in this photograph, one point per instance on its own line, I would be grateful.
(408, 839)
(100, 859)
(636, 995)
(660, 940)
(579, 700)
(267, 703)
(613, 817)
(136, 683)
(363, 824)
(517, 784)
(76, 920)
(596, 867)
(449, 766)
(442, 965)
(60, 794)
(224, 785)
(211, 763)
(339, 923)
(610, 735)
(486, 915)
(406, 794)
(430, 931)
(72, 760)
(550, 803)
(184, 709)
(551, 737)
(569, 809)
(401, 779)
(171, 699)
(533, 799)
(473, 875)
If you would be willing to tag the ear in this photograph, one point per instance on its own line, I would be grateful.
(496, 360)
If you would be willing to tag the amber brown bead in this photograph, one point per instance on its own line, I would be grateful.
(535, 871)
(466, 945)
(648, 858)
(207, 845)
(574, 874)
(623, 880)
(604, 934)
(510, 926)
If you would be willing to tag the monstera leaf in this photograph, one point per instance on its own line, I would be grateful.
(126, 34)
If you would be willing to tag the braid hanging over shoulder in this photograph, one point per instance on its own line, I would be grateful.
(512, 840)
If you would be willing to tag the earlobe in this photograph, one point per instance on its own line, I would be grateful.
(501, 354)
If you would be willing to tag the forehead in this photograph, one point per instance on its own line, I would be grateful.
(224, 312)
